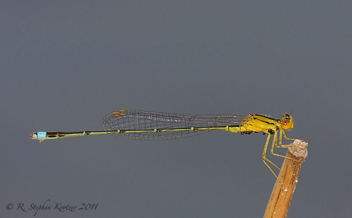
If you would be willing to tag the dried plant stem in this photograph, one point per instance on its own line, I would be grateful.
(286, 183)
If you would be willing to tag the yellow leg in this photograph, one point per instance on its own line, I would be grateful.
(286, 136)
(280, 140)
(280, 144)
(265, 160)
(286, 146)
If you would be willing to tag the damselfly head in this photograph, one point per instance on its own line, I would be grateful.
(287, 121)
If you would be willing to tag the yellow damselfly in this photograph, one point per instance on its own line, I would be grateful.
(148, 125)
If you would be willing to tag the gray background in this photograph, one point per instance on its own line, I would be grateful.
(65, 65)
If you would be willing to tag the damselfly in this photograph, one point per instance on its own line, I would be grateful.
(148, 125)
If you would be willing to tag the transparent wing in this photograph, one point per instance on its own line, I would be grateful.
(130, 119)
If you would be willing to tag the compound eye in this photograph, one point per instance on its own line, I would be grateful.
(288, 116)
(287, 124)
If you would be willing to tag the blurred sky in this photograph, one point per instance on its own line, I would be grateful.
(66, 64)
